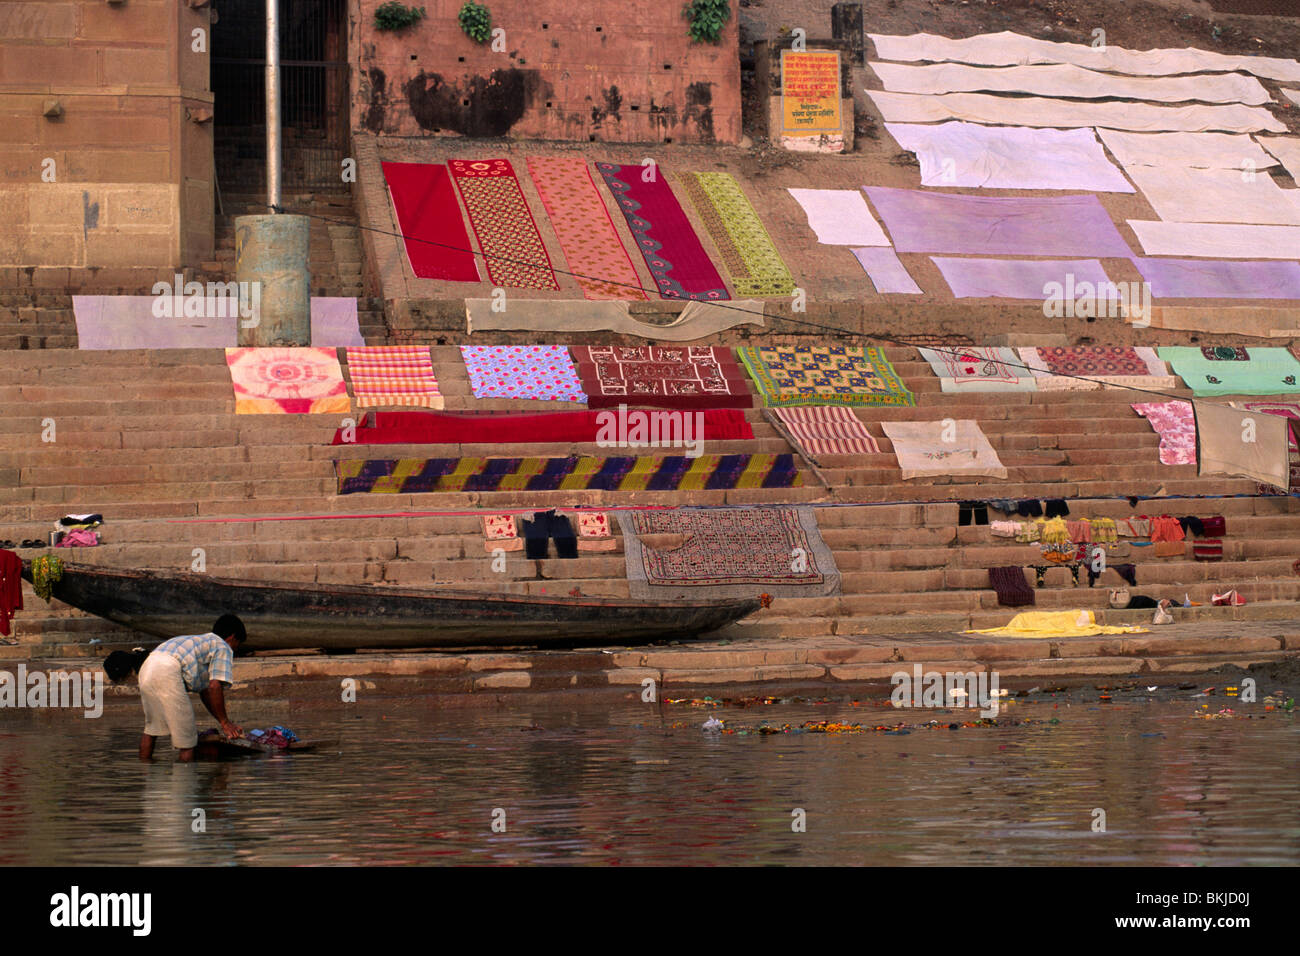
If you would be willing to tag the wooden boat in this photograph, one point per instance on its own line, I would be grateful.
(346, 617)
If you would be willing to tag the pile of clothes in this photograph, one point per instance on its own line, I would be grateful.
(77, 531)
(277, 736)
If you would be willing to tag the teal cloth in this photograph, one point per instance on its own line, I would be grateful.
(1269, 371)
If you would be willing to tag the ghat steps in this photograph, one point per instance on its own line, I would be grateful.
(150, 439)
(42, 318)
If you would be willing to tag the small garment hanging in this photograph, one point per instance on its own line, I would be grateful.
(1012, 588)
(1139, 527)
(1207, 549)
(545, 526)
(1056, 544)
(499, 532)
(1030, 532)
(1104, 531)
(594, 532)
(1165, 529)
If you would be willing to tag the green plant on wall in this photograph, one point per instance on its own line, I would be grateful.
(475, 21)
(395, 16)
(707, 17)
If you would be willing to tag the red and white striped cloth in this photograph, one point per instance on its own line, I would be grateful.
(827, 430)
(393, 375)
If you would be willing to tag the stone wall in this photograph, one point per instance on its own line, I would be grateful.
(570, 70)
(119, 174)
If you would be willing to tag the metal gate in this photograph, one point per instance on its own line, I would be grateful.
(314, 93)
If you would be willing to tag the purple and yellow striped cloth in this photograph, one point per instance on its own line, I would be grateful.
(671, 473)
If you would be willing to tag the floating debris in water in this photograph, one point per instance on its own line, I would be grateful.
(764, 729)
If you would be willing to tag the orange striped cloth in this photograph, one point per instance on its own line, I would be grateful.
(827, 430)
(393, 375)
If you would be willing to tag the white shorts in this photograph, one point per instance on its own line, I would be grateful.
(167, 706)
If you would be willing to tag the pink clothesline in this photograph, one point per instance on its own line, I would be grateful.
(477, 512)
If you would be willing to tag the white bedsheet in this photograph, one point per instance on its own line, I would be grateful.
(1286, 149)
(1217, 240)
(1009, 157)
(1063, 79)
(1202, 150)
(1014, 49)
(840, 217)
(1183, 194)
(1041, 111)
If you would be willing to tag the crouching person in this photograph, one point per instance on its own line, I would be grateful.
(194, 663)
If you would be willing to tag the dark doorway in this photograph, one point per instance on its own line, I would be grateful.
(313, 87)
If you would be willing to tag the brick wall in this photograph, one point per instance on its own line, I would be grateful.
(123, 177)
(571, 70)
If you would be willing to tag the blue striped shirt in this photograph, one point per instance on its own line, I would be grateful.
(204, 658)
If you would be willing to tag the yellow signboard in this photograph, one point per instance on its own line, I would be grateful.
(810, 92)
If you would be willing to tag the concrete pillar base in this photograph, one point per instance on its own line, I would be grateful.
(272, 268)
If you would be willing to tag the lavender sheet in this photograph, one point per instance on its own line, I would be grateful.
(127, 322)
(1064, 226)
(1218, 279)
(1016, 278)
(885, 270)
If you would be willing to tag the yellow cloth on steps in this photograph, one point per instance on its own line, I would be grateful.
(1057, 624)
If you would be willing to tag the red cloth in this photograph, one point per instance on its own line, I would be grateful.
(451, 428)
(11, 588)
(427, 210)
(512, 248)
(673, 253)
(661, 375)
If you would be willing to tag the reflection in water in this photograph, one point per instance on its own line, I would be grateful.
(625, 785)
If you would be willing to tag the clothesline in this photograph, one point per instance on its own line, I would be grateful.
(479, 512)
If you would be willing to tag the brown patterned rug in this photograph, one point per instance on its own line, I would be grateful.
(728, 552)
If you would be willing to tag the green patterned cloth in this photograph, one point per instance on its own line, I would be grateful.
(1234, 370)
(835, 375)
(755, 267)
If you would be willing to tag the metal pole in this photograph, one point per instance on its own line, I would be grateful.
(273, 104)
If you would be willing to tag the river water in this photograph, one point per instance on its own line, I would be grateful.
(408, 783)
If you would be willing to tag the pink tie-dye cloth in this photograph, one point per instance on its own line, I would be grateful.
(293, 381)
(1176, 425)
